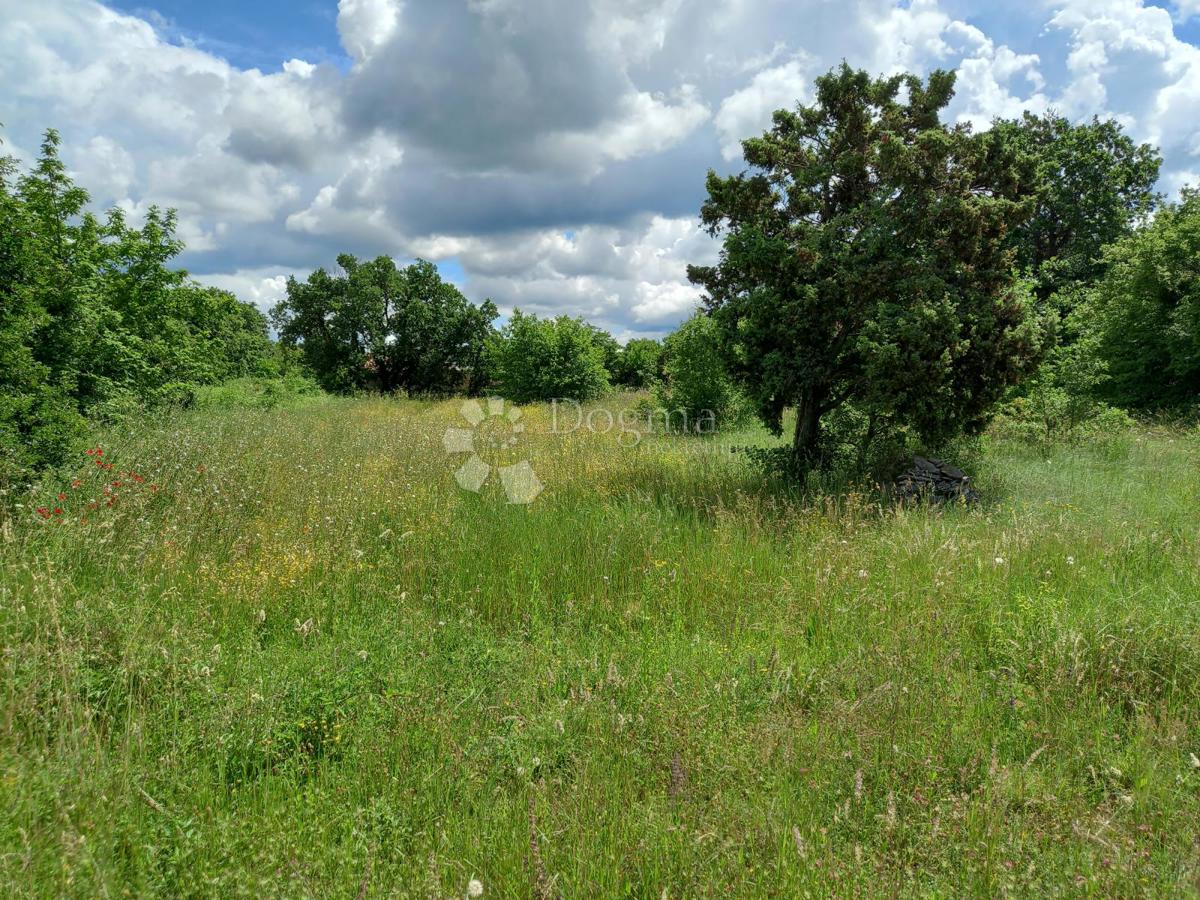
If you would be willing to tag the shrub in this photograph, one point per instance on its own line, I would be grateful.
(640, 363)
(534, 359)
(696, 389)
(1147, 312)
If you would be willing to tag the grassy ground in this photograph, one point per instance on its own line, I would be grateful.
(296, 659)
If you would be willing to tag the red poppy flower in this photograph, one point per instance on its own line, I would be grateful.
(77, 484)
(43, 512)
(58, 510)
(62, 496)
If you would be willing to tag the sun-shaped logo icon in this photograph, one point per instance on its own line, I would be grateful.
(491, 439)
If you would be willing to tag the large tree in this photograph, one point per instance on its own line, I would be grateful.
(865, 260)
(1092, 185)
(375, 323)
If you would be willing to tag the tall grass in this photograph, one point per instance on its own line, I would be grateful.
(294, 658)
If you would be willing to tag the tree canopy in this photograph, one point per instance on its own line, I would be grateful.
(1145, 312)
(866, 260)
(377, 325)
(1091, 186)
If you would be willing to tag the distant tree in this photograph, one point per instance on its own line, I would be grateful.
(376, 324)
(1092, 185)
(534, 359)
(640, 363)
(865, 261)
(1146, 311)
(696, 391)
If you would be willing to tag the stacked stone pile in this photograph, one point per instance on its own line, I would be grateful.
(935, 481)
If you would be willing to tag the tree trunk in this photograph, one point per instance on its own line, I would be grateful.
(807, 440)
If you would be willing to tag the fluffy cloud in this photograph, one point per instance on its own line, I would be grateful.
(1186, 9)
(1127, 62)
(555, 151)
(748, 111)
(366, 25)
(262, 287)
(632, 279)
(517, 86)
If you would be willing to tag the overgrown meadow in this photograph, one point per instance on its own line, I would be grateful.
(283, 653)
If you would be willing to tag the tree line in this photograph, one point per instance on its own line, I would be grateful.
(884, 279)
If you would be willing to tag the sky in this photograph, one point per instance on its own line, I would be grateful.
(548, 154)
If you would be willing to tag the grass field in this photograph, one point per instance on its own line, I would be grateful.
(294, 658)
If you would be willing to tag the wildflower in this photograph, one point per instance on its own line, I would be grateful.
(999, 560)
(474, 888)
(62, 496)
(76, 484)
(58, 510)
(1070, 560)
(43, 512)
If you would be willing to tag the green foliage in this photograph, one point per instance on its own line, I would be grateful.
(865, 260)
(256, 393)
(1146, 312)
(611, 350)
(696, 389)
(534, 359)
(640, 363)
(376, 325)
(1092, 186)
(93, 319)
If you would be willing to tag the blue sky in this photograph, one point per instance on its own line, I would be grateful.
(260, 35)
(547, 154)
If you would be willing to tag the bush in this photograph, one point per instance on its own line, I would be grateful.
(38, 431)
(1146, 312)
(640, 363)
(256, 393)
(696, 389)
(534, 360)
